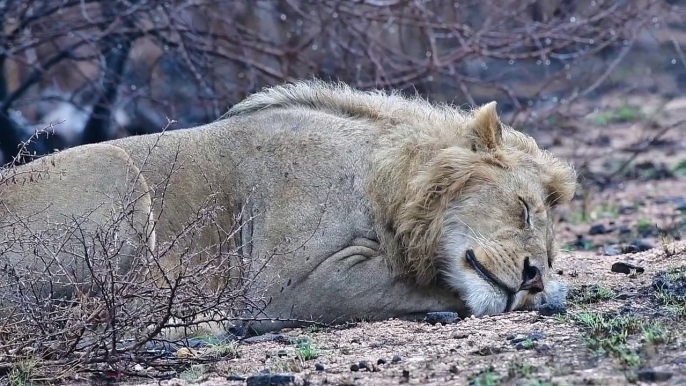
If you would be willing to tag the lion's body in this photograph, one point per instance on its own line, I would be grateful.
(332, 179)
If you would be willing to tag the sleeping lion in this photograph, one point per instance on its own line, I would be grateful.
(361, 205)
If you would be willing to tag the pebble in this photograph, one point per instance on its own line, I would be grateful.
(638, 246)
(488, 350)
(319, 367)
(396, 358)
(626, 209)
(525, 345)
(550, 309)
(235, 377)
(354, 367)
(624, 230)
(381, 361)
(654, 375)
(626, 268)
(598, 229)
(270, 380)
(625, 295)
(611, 250)
(442, 317)
(536, 335)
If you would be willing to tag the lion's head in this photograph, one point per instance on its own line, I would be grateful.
(475, 211)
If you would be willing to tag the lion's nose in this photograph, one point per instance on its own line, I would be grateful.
(533, 281)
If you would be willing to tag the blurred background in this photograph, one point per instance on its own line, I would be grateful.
(599, 82)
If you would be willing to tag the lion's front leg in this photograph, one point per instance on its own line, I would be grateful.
(354, 283)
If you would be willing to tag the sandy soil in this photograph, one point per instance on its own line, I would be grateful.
(520, 348)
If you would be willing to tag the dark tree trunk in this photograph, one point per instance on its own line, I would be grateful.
(117, 52)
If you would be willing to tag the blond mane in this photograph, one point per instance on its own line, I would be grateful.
(427, 154)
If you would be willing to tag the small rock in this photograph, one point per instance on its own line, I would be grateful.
(626, 268)
(442, 317)
(270, 380)
(406, 374)
(654, 375)
(354, 367)
(624, 230)
(365, 365)
(138, 367)
(611, 250)
(488, 350)
(526, 345)
(626, 209)
(537, 335)
(235, 377)
(319, 367)
(381, 361)
(534, 336)
(550, 309)
(396, 358)
(638, 246)
(625, 295)
(460, 335)
(598, 229)
(454, 369)
(282, 353)
(543, 348)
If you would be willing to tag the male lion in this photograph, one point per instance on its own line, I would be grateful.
(363, 204)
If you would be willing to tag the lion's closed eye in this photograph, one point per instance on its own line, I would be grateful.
(526, 213)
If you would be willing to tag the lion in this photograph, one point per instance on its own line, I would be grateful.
(362, 204)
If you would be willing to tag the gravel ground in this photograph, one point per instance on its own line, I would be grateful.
(520, 348)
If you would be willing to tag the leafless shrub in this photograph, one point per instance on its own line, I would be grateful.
(128, 65)
(76, 293)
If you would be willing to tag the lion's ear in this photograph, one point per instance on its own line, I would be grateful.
(486, 129)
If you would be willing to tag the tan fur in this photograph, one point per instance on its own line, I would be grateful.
(364, 203)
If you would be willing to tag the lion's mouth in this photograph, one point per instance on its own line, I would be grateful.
(490, 278)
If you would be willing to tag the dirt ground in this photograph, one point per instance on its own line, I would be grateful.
(520, 348)
(620, 327)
